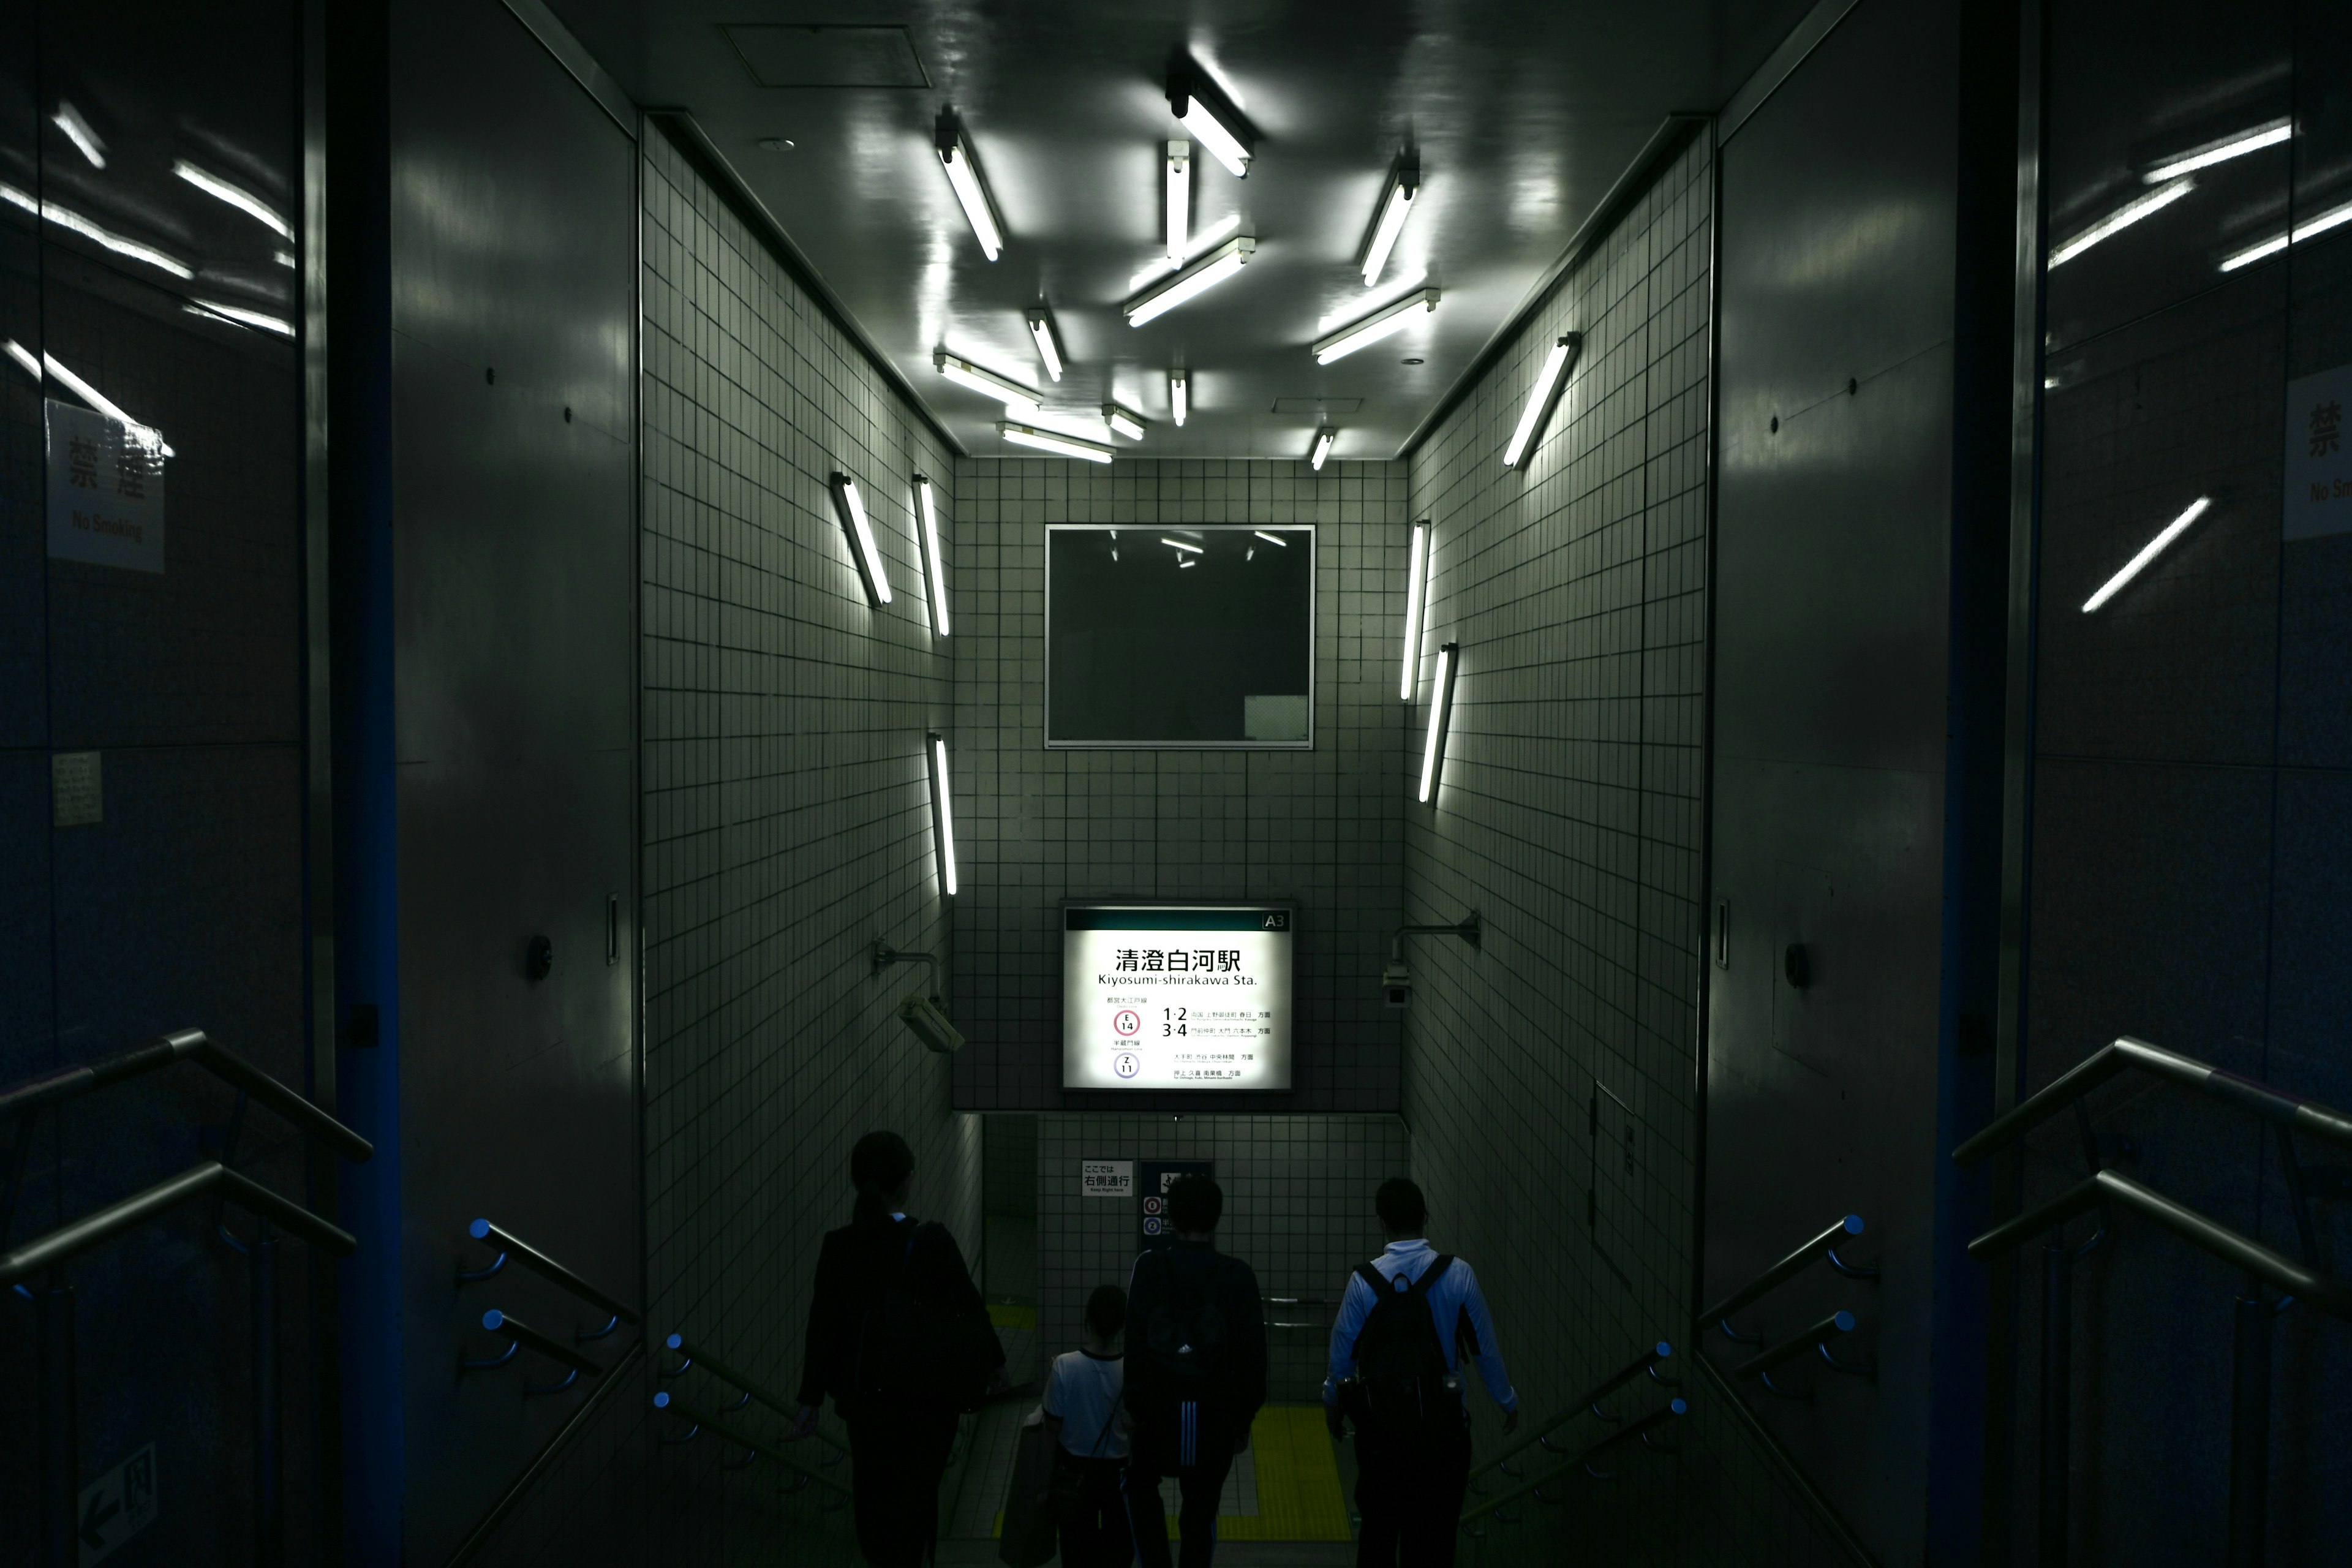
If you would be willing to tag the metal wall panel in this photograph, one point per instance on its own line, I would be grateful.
(514, 303)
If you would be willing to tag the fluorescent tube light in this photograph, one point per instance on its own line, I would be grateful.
(1542, 397)
(2148, 551)
(1180, 199)
(964, 179)
(1041, 328)
(237, 197)
(1180, 393)
(1396, 205)
(23, 356)
(1271, 538)
(146, 436)
(1123, 423)
(2319, 224)
(1321, 447)
(283, 257)
(1052, 441)
(243, 316)
(1184, 562)
(2221, 152)
(1380, 324)
(74, 223)
(86, 141)
(1224, 142)
(942, 813)
(852, 508)
(927, 513)
(1017, 398)
(1441, 698)
(1416, 564)
(2122, 218)
(1198, 279)
(1179, 544)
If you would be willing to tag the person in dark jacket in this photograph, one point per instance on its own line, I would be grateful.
(1190, 1404)
(897, 1447)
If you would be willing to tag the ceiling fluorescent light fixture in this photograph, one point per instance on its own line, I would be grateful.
(1053, 441)
(1321, 448)
(243, 316)
(970, 189)
(1542, 398)
(1016, 397)
(1271, 538)
(1377, 325)
(86, 141)
(2148, 551)
(927, 515)
(1179, 544)
(2122, 218)
(943, 813)
(1180, 394)
(1216, 126)
(1041, 328)
(237, 197)
(74, 223)
(1122, 423)
(145, 434)
(2332, 219)
(1441, 703)
(1192, 282)
(1416, 567)
(1388, 221)
(851, 506)
(2221, 152)
(1180, 199)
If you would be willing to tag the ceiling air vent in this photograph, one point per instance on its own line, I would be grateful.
(827, 55)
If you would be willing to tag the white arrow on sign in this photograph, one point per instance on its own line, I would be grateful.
(117, 1505)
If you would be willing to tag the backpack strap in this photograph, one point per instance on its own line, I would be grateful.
(1374, 1277)
(1429, 1276)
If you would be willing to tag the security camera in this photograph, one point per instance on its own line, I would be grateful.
(928, 1019)
(1396, 984)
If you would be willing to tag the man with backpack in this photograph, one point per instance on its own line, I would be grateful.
(1405, 1321)
(1195, 1373)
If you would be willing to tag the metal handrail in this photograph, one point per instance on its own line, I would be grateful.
(2125, 1052)
(1631, 1430)
(497, 1322)
(546, 1268)
(1787, 1268)
(2330, 1294)
(187, 1045)
(726, 1373)
(672, 1402)
(1599, 1391)
(207, 1175)
(1797, 1344)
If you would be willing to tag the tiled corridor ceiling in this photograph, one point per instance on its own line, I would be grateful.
(1521, 116)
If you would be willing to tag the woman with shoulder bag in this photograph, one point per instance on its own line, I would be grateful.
(898, 1336)
(1084, 1393)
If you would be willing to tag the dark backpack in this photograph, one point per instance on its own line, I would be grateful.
(914, 1348)
(1186, 1335)
(1401, 1386)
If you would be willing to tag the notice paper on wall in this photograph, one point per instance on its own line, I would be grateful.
(1176, 996)
(106, 490)
(2318, 455)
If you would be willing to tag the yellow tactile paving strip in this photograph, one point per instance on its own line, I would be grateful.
(1298, 1495)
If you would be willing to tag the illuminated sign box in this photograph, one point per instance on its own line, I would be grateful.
(1191, 996)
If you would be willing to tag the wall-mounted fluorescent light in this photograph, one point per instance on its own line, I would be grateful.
(970, 189)
(2318, 223)
(1180, 393)
(2148, 551)
(1416, 564)
(1201, 275)
(2122, 218)
(927, 515)
(1214, 126)
(2221, 151)
(1441, 703)
(1049, 350)
(1054, 442)
(237, 197)
(1542, 397)
(86, 141)
(851, 506)
(1321, 448)
(1179, 544)
(74, 223)
(1380, 324)
(1271, 538)
(1180, 199)
(47, 367)
(943, 813)
(1016, 397)
(1388, 219)
(1122, 423)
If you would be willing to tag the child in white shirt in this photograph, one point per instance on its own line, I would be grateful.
(1084, 1392)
